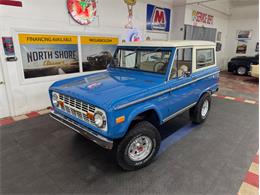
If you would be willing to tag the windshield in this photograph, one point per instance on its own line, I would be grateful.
(149, 60)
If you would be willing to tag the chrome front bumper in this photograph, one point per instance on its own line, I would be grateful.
(98, 139)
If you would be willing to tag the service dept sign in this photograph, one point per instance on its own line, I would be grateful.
(83, 12)
(202, 18)
(158, 18)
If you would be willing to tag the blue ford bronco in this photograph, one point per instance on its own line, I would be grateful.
(145, 85)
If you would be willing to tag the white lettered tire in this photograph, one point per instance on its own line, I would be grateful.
(199, 113)
(139, 147)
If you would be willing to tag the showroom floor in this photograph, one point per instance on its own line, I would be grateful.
(239, 86)
(41, 156)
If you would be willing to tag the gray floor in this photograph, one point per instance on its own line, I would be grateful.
(41, 156)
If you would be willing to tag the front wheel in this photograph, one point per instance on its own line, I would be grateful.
(200, 111)
(139, 147)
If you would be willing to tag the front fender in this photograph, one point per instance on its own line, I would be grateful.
(119, 130)
(143, 108)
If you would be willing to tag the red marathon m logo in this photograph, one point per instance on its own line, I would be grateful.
(159, 19)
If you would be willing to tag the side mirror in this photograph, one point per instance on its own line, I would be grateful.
(187, 73)
(115, 62)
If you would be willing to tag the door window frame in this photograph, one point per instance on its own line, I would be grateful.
(175, 53)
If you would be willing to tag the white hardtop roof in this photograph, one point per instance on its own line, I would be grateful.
(173, 43)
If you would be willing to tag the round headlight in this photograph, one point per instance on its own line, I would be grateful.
(99, 119)
(55, 98)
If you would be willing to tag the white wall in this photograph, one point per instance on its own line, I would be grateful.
(53, 15)
(178, 21)
(221, 6)
(245, 18)
(227, 20)
(220, 22)
(49, 16)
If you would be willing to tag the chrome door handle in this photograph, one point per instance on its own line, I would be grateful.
(2, 82)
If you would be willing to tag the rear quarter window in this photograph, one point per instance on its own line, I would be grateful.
(205, 58)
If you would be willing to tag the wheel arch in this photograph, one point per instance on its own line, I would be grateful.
(209, 91)
(151, 114)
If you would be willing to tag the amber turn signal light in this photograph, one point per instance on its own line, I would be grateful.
(90, 115)
(120, 119)
(61, 104)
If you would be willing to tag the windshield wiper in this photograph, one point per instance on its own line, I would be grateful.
(130, 53)
(153, 51)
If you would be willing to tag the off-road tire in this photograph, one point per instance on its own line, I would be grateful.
(142, 128)
(196, 111)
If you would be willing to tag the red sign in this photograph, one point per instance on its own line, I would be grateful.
(202, 17)
(159, 16)
(82, 11)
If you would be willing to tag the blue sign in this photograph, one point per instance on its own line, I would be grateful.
(158, 18)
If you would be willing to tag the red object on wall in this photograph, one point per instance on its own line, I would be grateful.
(82, 11)
(11, 3)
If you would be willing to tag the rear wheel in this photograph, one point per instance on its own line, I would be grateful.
(199, 113)
(139, 147)
(241, 70)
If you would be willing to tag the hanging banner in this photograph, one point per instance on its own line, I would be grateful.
(97, 52)
(199, 17)
(46, 55)
(158, 18)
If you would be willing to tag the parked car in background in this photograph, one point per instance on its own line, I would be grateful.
(254, 71)
(146, 85)
(97, 61)
(241, 64)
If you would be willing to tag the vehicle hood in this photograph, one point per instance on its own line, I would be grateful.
(109, 87)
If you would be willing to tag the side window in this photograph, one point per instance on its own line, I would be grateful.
(154, 61)
(205, 57)
(182, 62)
(128, 58)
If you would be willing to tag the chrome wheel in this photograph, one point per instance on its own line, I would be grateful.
(140, 148)
(205, 109)
(241, 70)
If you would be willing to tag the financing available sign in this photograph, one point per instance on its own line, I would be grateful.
(158, 18)
(45, 55)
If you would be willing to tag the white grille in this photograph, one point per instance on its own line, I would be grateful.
(77, 108)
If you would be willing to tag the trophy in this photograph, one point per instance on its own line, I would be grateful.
(130, 4)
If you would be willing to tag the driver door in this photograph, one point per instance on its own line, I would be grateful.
(179, 79)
